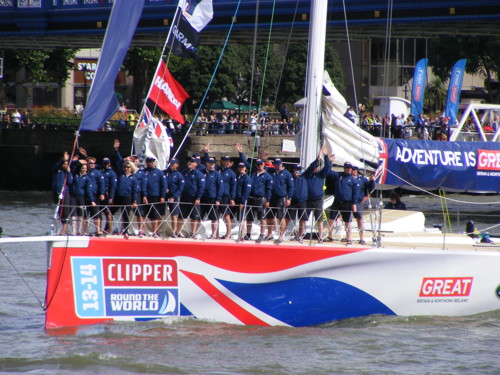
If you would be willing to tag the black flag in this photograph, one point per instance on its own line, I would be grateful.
(184, 39)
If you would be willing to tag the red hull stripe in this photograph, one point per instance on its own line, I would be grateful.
(232, 307)
(246, 257)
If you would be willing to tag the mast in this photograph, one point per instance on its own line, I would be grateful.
(314, 81)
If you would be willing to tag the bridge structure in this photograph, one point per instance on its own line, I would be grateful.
(32, 24)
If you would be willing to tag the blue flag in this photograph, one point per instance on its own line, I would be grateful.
(454, 89)
(418, 89)
(102, 103)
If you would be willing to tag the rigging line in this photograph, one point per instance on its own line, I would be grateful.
(177, 20)
(286, 52)
(437, 196)
(177, 17)
(61, 193)
(387, 49)
(352, 77)
(257, 6)
(266, 60)
(350, 57)
(211, 80)
(22, 278)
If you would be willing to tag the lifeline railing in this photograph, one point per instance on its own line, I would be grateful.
(137, 220)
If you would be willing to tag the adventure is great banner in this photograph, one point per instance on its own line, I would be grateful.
(432, 165)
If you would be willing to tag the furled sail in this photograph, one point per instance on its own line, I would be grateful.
(345, 139)
(408, 163)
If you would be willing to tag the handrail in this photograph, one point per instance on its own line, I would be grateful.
(126, 220)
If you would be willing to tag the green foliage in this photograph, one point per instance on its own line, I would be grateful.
(293, 84)
(435, 95)
(141, 63)
(195, 75)
(482, 54)
(42, 66)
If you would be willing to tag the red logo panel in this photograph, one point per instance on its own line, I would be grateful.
(488, 160)
(139, 272)
(446, 287)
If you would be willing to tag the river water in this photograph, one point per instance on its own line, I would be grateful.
(371, 345)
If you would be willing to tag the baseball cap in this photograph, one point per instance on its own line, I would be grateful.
(225, 157)
(277, 161)
(211, 160)
(106, 160)
(193, 160)
(174, 161)
(150, 159)
(259, 162)
(241, 165)
(298, 167)
(347, 165)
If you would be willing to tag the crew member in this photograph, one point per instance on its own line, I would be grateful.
(175, 183)
(155, 190)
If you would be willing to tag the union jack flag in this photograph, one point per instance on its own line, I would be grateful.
(146, 118)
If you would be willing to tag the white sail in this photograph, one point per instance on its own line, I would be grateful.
(343, 138)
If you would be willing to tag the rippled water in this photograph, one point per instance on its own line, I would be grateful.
(371, 345)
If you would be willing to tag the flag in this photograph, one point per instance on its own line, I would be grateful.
(168, 93)
(152, 139)
(183, 38)
(454, 89)
(418, 87)
(102, 102)
(193, 17)
(197, 12)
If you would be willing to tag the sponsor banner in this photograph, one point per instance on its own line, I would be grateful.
(418, 88)
(168, 93)
(454, 89)
(102, 102)
(135, 287)
(453, 166)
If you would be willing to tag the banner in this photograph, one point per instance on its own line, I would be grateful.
(418, 88)
(183, 38)
(102, 102)
(168, 93)
(454, 89)
(431, 165)
(197, 12)
(152, 139)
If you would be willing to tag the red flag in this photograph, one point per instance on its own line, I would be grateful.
(168, 93)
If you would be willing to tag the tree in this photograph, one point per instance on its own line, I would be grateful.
(141, 63)
(482, 54)
(41, 66)
(435, 95)
(195, 74)
(293, 84)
